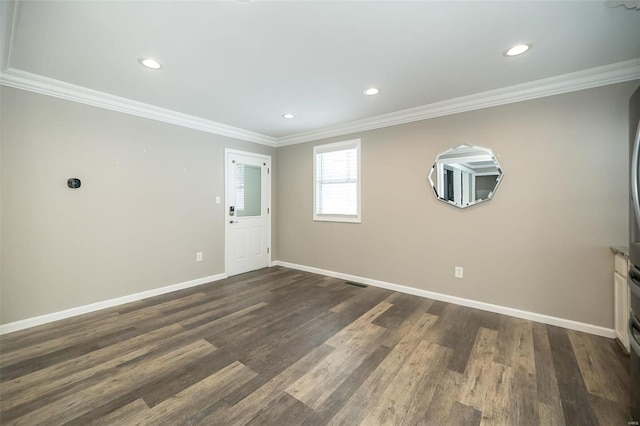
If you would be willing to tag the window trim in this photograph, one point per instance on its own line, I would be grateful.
(339, 146)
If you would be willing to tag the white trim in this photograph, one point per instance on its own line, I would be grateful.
(247, 153)
(586, 79)
(580, 80)
(594, 77)
(68, 313)
(532, 316)
(47, 86)
(267, 159)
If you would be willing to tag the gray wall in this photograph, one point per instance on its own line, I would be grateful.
(146, 205)
(540, 245)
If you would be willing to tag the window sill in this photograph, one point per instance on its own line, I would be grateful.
(337, 218)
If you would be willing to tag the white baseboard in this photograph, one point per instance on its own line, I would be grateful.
(545, 319)
(68, 313)
(532, 316)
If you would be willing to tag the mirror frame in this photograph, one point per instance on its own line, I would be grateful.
(473, 203)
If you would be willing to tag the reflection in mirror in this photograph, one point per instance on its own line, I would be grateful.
(465, 175)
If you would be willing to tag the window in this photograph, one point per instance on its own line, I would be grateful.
(248, 190)
(336, 172)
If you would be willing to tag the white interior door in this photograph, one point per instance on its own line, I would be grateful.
(247, 215)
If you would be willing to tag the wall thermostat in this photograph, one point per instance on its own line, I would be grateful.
(74, 183)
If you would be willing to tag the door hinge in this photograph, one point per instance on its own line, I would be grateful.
(267, 250)
(267, 210)
(268, 170)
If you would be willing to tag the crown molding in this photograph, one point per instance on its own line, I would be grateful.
(47, 86)
(586, 79)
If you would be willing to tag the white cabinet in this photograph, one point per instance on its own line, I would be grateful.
(621, 300)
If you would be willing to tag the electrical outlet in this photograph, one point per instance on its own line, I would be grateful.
(199, 256)
(217, 199)
(459, 272)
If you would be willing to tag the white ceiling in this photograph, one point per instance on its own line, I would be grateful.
(245, 63)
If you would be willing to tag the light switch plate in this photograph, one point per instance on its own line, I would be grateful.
(459, 272)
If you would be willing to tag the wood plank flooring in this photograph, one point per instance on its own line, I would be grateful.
(283, 347)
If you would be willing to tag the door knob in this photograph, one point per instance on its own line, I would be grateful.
(233, 221)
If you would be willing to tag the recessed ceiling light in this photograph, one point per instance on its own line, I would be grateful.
(151, 63)
(371, 91)
(288, 115)
(518, 49)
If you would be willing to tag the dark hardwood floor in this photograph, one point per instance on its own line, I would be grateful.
(283, 347)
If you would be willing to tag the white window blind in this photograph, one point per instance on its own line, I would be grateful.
(337, 182)
(239, 187)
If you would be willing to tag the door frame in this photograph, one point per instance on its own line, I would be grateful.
(267, 159)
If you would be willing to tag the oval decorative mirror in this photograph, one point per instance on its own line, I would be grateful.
(465, 175)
